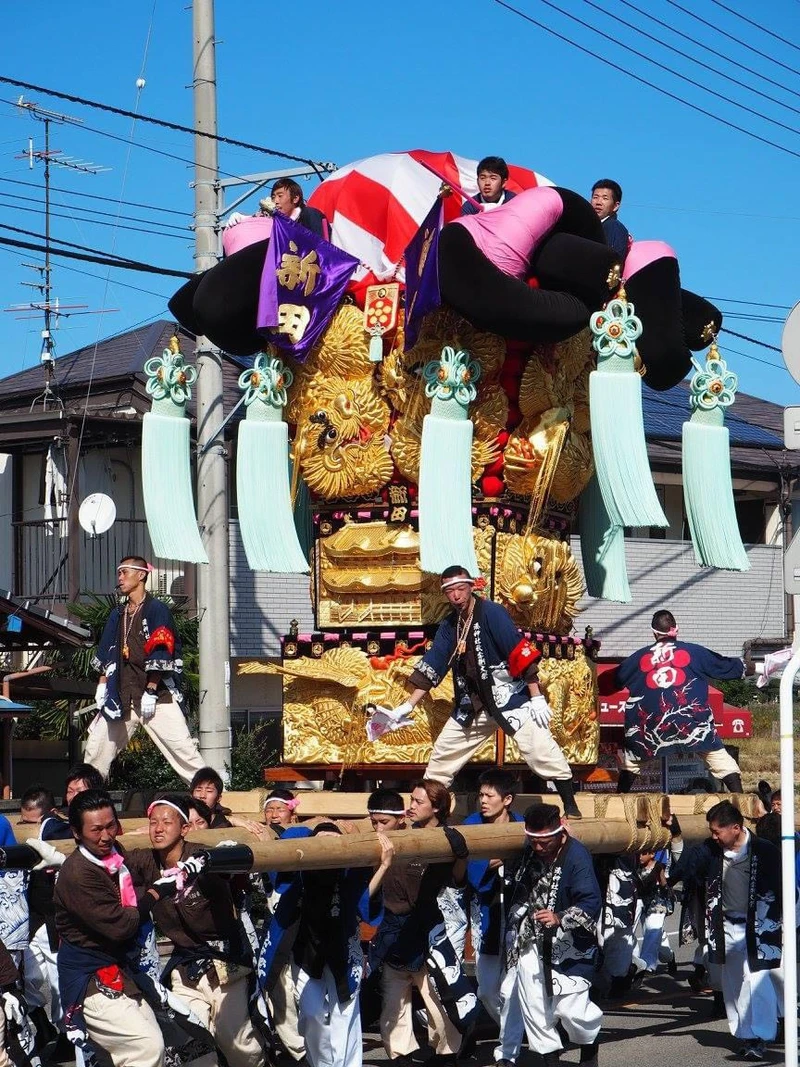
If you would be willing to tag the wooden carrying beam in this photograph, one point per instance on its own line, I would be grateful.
(642, 827)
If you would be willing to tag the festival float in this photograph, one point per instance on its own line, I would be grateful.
(436, 409)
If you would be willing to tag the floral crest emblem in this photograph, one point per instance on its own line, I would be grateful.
(267, 381)
(452, 377)
(712, 386)
(616, 329)
(169, 377)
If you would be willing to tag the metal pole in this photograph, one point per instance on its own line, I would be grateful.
(788, 882)
(212, 486)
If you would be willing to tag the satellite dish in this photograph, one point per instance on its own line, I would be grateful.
(97, 513)
(790, 343)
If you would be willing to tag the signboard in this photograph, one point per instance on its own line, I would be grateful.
(790, 344)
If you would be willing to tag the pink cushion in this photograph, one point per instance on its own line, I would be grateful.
(245, 233)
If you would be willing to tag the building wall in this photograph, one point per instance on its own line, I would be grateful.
(720, 609)
(6, 530)
(263, 605)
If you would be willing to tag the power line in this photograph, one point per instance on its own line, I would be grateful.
(664, 67)
(96, 222)
(728, 59)
(754, 318)
(751, 303)
(746, 355)
(643, 81)
(752, 340)
(718, 30)
(123, 264)
(94, 211)
(757, 26)
(315, 166)
(96, 196)
(98, 277)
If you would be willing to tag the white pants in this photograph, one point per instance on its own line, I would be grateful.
(455, 744)
(497, 991)
(283, 1009)
(751, 1003)
(41, 976)
(330, 1029)
(167, 728)
(125, 1027)
(719, 762)
(224, 1011)
(654, 943)
(569, 1005)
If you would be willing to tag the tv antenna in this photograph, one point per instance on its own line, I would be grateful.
(47, 305)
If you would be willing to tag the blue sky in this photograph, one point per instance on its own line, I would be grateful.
(335, 81)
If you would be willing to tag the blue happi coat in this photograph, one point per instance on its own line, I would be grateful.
(573, 892)
(668, 708)
(489, 895)
(494, 635)
(701, 866)
(351, 905)
(163, 651)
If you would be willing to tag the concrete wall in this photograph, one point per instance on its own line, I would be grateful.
(720, 609)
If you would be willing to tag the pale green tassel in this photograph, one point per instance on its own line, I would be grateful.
(445, 479)
(166, 470)
(707, 486)
(615, 409)
(602, 549)
(264, 502)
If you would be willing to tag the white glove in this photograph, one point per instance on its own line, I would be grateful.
(147, 709)
(235, 218)
(195, 865)
(385, 720)
(51, 857)
(100, 695)
(12, 1008)
(540, 711)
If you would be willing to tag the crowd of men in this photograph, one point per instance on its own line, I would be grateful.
(143, 948)
(151, 951)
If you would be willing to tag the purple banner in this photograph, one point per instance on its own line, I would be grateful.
(422, 273)
(303, 281)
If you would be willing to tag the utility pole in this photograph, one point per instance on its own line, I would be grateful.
(213, 593)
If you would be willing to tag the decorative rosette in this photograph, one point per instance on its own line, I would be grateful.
(615, 329)
(712, 386)
(452, 377)
(267, 381)
(169, 377)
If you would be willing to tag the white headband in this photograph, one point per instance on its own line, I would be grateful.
(459, 579)
(386, 811)
(168, 804)
(291, 803)
(544, 833)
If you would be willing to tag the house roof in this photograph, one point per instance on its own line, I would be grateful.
(115, 369)
(122, 356)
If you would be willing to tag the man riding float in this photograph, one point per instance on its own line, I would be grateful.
(495, 682)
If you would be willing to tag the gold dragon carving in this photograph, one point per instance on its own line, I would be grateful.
(325, 709)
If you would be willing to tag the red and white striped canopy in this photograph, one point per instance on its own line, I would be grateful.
(376, 205)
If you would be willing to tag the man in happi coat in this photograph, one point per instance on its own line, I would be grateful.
(551, 937)
(495, 682)
(108, 971)
(668, 708)
(742, 921)
(139, 660)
